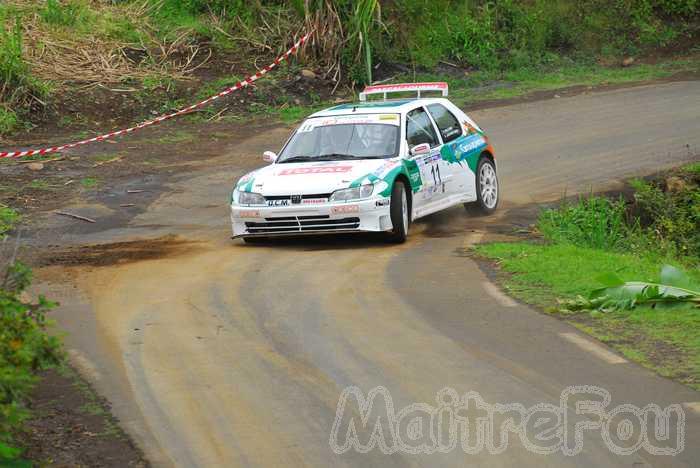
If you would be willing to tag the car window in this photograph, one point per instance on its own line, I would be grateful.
(343, 141)
(446, 122)
(419, 129)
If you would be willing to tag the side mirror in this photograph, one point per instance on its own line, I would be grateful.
(423, 148)
(269, 156)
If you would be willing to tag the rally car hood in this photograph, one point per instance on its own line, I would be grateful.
(311, 178)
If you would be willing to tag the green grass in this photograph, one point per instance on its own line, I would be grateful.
(666, 340)
(294, 114)
(93, 408)
(178, 136)
(693, 168)
(105, 157)
(8, 121)
(155, 82)
(287, 114)
(89, 182)
(8, 219)
(66, 14)
(42, 184)
(38, 157)
(489, 85)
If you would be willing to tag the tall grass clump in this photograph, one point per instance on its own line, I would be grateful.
(8, 219)
(345, 34)
(8, 120)
(594, 222)
(363, 18)
(661, 221)
(205, 18)
(19, 90)
(66, 14)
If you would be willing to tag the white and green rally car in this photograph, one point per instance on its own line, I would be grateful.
(372, 166)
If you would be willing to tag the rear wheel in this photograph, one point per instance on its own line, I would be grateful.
(400, 216)
(486, 188)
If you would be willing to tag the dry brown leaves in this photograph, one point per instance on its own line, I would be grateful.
(95, 60)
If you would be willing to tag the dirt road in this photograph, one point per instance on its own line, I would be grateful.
(219, 354)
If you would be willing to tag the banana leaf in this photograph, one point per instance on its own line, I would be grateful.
(674, 288)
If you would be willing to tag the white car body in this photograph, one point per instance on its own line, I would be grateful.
(297, 195)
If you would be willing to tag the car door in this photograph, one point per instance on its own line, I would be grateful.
(420, 130)
(452, 133)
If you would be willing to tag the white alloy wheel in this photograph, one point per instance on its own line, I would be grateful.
(488, 184)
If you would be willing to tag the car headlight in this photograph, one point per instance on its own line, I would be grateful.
(354, 193)
(250, 198)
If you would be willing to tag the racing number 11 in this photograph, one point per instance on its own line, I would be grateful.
(435, 171)
(437, 178)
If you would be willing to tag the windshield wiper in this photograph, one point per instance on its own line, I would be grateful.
(298, 159)
(334, 156)
(328, 157)
(338, 156)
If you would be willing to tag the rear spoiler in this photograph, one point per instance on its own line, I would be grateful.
(402, 88)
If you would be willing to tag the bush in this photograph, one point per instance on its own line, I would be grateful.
(13, 69)
(506, 34)
(8, 121)
(25, 348)
(663, 221)
(685, 8)
(19, 90)
(594, 222)
(8, 218)
(671, 217)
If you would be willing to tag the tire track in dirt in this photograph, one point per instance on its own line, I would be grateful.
(236, 355)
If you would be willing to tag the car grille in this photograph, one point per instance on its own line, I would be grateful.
(303, 197)
(291, 224)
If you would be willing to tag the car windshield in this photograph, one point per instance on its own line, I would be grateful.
(340, 140)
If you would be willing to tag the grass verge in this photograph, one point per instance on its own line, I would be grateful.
(665, 340)
(573, 255)
(481, 86)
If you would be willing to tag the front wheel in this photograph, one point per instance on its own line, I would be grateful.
(400, 217)
(486, 188)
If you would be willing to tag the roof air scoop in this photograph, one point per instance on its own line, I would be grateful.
(404, 88)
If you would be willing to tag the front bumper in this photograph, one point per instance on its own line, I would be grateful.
(371, 215)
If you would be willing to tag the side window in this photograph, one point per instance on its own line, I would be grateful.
(447, 123)
(419, 129)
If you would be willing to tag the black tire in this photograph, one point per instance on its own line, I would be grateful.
(485, 206)
(400, 213)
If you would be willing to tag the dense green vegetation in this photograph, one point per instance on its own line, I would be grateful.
(494, 39)
(25, 349)
(595, 236)
(501, 34)
(512, 34)
(19, 89)
(25, 345)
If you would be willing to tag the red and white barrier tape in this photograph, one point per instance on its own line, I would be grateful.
(157, 120)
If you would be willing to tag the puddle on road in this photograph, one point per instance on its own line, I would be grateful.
(119, 253)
